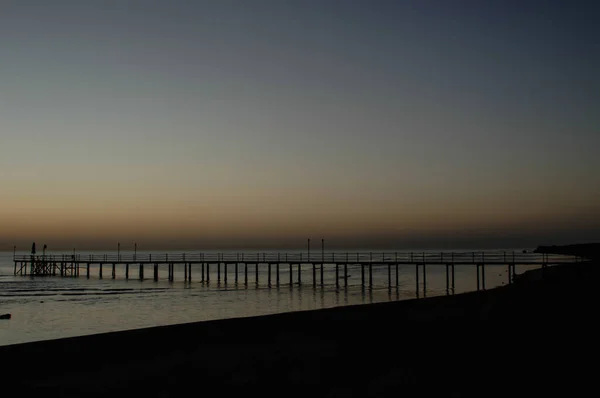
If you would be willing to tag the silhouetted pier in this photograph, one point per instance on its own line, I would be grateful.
(297, 265)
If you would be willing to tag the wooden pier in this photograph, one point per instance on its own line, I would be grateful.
(198, 265)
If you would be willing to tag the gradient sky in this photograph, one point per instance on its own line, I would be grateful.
(247, 124)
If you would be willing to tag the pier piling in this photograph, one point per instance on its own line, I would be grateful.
(424, 280)
(269, 276)
(346, 275)
(418, 287)
(362, 276)
(69, 266)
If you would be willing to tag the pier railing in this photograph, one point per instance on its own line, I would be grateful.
(296, 258)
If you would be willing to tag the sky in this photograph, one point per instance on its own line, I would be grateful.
(259, 124)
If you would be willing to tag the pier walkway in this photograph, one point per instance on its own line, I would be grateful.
(290, 265)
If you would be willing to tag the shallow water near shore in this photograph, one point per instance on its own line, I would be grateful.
(45, 308)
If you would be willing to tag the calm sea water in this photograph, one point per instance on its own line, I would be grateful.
(45, 308)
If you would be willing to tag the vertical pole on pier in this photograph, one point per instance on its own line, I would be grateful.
(477, 277)
(100, 271)
(291, 275)
(155, 272)
(246, 274)
(299, 274)
(417, 279)
(236, 273)
(141, 271)
(127, 271)
(87, 268)
(113, 270)
(190, 272)
(207, 272)
(447, 279)
(453, 291)
(185, 271)
(314, 266)
(225, 272)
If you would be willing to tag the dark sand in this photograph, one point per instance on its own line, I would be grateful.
(536, 336)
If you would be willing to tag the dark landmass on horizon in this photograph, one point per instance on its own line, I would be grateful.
(587, 250)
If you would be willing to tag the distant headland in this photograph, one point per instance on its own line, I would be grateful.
(589, 250)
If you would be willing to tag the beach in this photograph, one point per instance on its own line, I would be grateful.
(531, 336)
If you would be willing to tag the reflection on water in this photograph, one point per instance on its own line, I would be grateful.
(53, 307)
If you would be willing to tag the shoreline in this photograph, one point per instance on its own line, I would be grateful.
(371, 349)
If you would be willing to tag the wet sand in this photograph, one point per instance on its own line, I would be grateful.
(532, 337)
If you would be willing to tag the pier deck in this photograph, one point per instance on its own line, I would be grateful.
(71, 265)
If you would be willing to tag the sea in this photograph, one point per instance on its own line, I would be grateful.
(52, 307)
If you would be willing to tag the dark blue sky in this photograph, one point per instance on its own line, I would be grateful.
(362, 121)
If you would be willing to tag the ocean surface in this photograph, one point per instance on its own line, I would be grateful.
(46, 307)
